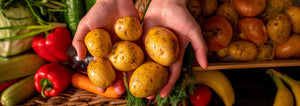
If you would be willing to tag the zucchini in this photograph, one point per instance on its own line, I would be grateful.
(75, 11)
(19, 92)
(89, 4)
(20, 66)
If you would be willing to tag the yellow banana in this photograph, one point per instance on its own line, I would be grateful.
(294, 85)
(283, 97)
(217, 81)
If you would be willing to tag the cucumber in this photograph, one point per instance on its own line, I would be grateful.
(89, 4)
(18, 92)
(20, 66)
(75, 11)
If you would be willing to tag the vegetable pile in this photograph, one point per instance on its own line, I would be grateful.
(234, 30)
(266, 25)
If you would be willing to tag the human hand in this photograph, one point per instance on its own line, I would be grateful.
(174, 15)
(104, 15)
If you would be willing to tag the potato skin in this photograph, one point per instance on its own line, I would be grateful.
(126, 56)
(128, 28)
(162, 45)
(294, 13)
(242, 50)
(264, 53)
(148, 79)
(279, 28)
(98, 42)
(195, 7)
(101, 73)
(289, 49)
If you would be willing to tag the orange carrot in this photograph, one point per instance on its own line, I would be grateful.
(83, 82)
(141, 15)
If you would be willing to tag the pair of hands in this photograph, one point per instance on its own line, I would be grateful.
(172, 14)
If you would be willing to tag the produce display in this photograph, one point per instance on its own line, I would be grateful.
(37, 57)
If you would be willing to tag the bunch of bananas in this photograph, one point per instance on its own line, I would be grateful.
(284, 96)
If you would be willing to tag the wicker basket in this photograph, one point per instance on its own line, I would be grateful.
(74, 96)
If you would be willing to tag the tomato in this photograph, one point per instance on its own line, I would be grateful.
(217, 32)
(253, 29)
(249, 7)
(289, 49)
(201, 96)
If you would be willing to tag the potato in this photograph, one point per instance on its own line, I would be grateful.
(289, 49)
(101, 73)
(264, 53)
(162, 45)
(223, 52)
(148, 79)
(98, 43)
(294, 13)
(208, 7)
(126, 56)
(128, 28)
(226, 10)
(279, 28)
(195, 7)
(242, 50)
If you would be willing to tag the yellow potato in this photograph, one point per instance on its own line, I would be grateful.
(128, 28)
(148, 79)
(294, 13)
(242, 50)
(223, 52)
(162, 45)
(279, 28)
(101, 73)
(265, 52)
(195, 7)
(126, 56)
(98, 42)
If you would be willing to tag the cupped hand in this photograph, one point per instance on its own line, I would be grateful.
(104, 15)
(174, 15)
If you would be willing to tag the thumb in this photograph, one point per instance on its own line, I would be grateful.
(78, 41)
(199, 46)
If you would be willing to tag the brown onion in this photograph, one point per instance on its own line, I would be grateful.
(249, 8)
(253, 29)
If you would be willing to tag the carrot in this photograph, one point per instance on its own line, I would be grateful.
(141, 15)
(83, 82)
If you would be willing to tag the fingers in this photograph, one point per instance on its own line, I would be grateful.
(102, 90)
(119, 84)
(78, 41)
(200, 48)
(151, 97)
(174, 74)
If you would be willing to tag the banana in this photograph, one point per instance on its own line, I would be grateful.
(294, 85)
(217, 81)
(283, 97)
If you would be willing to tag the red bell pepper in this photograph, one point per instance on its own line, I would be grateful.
(55, 46)
(52, 79)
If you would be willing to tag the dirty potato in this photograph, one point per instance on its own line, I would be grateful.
(162, 45)
(101, 73)
(148, 79)
(242, 50)
(195, 7)
(264, 53)
(98, 42)
(128, 28)
(279, 28)
(294, 13)
(126, 56)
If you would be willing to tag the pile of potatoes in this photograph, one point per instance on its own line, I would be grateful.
(161, 45)
(262, 29)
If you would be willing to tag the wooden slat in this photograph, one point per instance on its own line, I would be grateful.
(244, 65)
